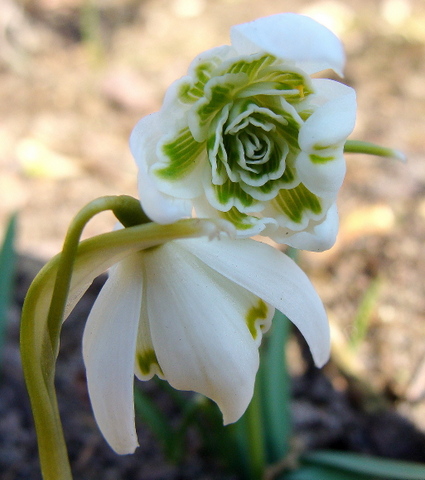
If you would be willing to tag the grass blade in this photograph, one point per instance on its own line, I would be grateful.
(7, 277)
(159, 424)
(274, 380)
(317, 472)
(367, 465)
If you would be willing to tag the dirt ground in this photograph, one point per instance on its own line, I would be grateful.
(73, 83)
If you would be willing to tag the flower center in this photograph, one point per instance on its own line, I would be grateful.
(249, 148)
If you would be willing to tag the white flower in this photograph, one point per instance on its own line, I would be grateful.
(192, 311)
(249, 136)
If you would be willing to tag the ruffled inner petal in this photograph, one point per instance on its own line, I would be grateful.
(317, 237)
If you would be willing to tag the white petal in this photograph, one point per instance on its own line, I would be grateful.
(319, 238)
(333, 120)
(109, 345)
(291, 37)
(274, 277)
(146, 361)
(199, 331)
(323, 178)
(158, 206)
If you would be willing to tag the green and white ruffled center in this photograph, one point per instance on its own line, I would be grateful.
(249, 154)
(243, 122)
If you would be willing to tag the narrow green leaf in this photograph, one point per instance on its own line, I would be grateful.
(218, 441)
(159, 424)
(316, 472)
(274, 379)
(255, 436)
(240, 433)
(367, 465)
(7, 276)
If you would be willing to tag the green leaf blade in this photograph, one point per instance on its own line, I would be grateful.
(7, 276)
(382, 468)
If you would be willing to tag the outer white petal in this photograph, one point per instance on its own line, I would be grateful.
(320, 237)
(291, 37)
(109, 345)
(323, 179)
(158, 206)
(321, 164)
(333, 120)
(274, 277)
(197, 321)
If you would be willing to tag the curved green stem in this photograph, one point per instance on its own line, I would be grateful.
(40, 334)
(126, 209)
(41, 345)
(357, 146)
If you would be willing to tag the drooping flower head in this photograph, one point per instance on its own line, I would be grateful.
(193, 312)
(249, 136)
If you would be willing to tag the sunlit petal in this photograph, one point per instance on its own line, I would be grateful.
(292, 37)
(333, 120)
(274, 277)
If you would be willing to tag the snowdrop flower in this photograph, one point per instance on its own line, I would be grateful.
(193, 312)
(249, 136)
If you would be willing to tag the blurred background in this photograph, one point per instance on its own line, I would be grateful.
(76, 75)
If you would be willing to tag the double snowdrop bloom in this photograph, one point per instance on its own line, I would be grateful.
(193, 312)
(249, 136)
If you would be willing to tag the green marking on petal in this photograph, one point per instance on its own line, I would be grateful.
(272, 185)
(293, 82)
(241, 221)
(265, 74)
(318, 148)
(305, 115)
(251, 65)
(218, 92)
(230, 194)
(191, 92)
(255, 313)
(182, 152)
(293, 202)
(318, 159)
(145, 361)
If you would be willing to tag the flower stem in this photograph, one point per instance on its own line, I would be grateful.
(40, 345)
(123, 206)
(357, 146)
